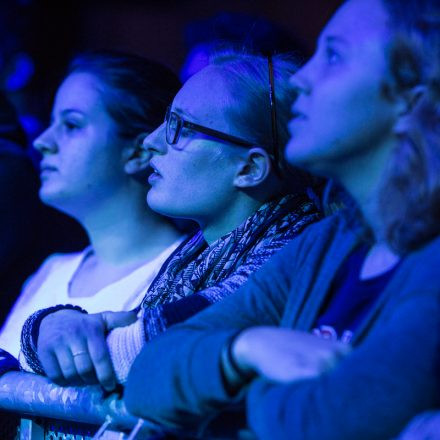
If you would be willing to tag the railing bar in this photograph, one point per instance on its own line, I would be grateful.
(104, 426)
(135, 430)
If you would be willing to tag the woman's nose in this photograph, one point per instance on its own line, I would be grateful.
(155, 142)
(45, 143)
(300, 84)
(303, 78)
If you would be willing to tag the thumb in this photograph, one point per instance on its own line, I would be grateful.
(118, 319)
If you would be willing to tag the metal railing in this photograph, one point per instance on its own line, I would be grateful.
(44, 406)
(51, 412)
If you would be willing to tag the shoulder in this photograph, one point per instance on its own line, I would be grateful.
(313, 245)
(314, 240)
(329, 228)
(60, 259)
(53, 264)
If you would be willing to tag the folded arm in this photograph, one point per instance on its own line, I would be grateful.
(371, 394)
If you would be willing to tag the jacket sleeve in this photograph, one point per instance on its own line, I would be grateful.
(372, 394)
(176, 380)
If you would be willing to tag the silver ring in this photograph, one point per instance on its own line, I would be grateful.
(79, 353)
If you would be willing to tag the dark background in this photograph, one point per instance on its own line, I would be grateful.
(49, 33)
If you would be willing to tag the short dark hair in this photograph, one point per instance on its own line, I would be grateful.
(137, 90)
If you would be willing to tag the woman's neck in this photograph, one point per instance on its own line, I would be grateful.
(363, 178)
(124, 232)
(230, 218)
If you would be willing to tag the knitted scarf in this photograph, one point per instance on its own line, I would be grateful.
(195, 266)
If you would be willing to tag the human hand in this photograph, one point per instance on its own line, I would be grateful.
(285, 355)
(72, 346)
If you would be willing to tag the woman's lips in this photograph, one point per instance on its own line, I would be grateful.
(297, 116)
(155, 175)
(46, 169)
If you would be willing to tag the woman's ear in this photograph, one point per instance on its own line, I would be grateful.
(409, 101)
(254, 168)
(137, 158)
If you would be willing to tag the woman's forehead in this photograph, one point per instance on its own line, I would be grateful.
(81, 90)
(358, 20)
(204, 96)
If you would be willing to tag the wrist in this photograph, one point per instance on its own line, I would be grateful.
(31, 330)
(124, 344)
(236, 372)
(241, 354)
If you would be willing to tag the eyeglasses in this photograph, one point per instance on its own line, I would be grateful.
(175, 123)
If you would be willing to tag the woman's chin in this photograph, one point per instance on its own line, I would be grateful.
(163, 208)
(296, 156)
(157, 204)
(305, 157)
(55, 199)
(47, 194)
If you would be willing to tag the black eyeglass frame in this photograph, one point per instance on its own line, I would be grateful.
(183, 123)
(273, 114)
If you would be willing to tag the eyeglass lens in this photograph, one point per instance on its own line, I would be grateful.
(172, 128)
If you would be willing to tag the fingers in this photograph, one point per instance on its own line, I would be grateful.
(100, 356)
(69, 367)
(52, 368)
(75, 352)
(113, 320)
(81, 367)
(84, 364)
(102, 363)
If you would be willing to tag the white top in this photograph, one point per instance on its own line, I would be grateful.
(49, 286)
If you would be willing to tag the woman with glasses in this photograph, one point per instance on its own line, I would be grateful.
(367, 115)
(94, 169)
(216, 160)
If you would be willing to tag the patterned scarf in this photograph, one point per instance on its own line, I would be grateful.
(195, 266)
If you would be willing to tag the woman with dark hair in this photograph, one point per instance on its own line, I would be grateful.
(29, 230)
(366, 116)
(94, 169)
(217, 160)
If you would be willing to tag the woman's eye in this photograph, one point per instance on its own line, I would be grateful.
(187, 132)
(70, 125)
(333, 57)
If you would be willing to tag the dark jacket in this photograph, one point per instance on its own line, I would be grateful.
(390, 376)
